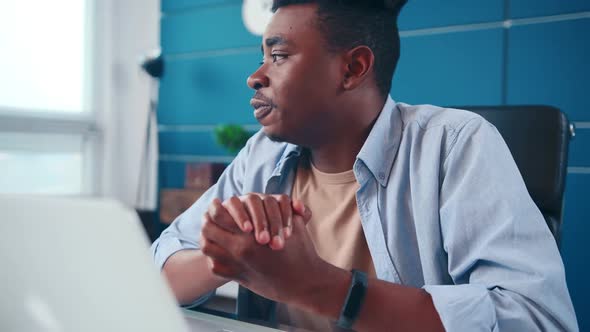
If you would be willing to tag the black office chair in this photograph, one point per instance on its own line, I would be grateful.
(538, 138)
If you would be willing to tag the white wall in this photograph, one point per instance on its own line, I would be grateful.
(129, 29)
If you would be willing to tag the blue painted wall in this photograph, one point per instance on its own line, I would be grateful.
(454, 52)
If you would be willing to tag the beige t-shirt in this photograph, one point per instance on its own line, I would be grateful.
(335, 229)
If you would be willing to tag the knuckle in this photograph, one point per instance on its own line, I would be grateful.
(216, 268)
(210, 264)
(205, 226)
(251, 198)
(220, 269)
(226, 204)
(206, 249)
(234, 200)
(284, 199)
(205, 246)
(270, 202)
(214, 211)
(231, 200)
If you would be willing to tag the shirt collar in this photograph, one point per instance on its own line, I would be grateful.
(291, 150)
(380, 149)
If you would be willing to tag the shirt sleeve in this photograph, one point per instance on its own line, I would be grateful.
(184, 232)
(503, 259)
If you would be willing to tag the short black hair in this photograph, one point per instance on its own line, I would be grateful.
(346, 24)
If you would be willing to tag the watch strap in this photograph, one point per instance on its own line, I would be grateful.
(354, 299)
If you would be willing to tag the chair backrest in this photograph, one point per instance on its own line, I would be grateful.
(538, 138)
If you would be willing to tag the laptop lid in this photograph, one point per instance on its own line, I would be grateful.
(73, 264)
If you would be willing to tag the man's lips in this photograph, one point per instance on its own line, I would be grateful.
(261, 108)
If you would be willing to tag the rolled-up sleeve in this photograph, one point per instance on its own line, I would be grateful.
(184, 232)
(503, 259)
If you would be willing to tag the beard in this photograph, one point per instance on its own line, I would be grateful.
(282, 136)
(276, 138)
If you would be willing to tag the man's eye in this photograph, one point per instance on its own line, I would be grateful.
(276, 57)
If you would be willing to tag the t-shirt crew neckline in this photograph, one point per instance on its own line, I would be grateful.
(332, 178)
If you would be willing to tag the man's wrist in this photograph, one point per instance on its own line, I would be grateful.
(354, 300)
(325, 293)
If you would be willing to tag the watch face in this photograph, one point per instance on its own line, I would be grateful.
(256, 15)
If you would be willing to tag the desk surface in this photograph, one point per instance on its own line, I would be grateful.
(198, 321)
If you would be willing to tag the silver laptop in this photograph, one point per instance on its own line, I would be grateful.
(72, 264)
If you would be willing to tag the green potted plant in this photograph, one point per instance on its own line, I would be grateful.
(232, 137)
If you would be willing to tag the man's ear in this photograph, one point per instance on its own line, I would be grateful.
(358, 65)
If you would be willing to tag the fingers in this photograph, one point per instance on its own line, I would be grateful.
(213, 250)
(270, 216)
(219, 259)
(220, 216)
(219, 247)
(211, 231)
(299, 225)
(238, 212)
(301, 210)
(275, 222)
(286, 213)
(255, 209)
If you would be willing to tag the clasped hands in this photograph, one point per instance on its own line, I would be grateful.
(261, 242)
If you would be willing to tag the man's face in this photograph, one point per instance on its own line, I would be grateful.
(299, 79)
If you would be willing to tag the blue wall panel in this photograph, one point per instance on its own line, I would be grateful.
(209, 90)
(579, 153)
(574, 249)
(419, 14)
(548, 64)
(190, 143)
(450, 69)
(209, 28)
(177, 5)
(529, 8)
(171, 174)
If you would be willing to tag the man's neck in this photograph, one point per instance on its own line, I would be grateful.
(340, 152)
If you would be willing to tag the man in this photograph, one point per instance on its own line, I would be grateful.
(351, 209)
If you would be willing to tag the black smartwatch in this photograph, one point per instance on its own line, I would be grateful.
(354, 300)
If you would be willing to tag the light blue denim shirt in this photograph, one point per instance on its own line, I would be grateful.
(443, 207)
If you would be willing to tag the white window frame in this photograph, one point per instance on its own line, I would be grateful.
(88, 124)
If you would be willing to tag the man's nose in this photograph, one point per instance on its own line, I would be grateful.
(257, 80)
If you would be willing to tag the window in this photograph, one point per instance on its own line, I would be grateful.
(48, 131)
(44, 164)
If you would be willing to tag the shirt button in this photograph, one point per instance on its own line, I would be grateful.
(381, 175)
